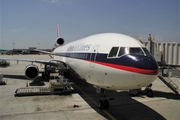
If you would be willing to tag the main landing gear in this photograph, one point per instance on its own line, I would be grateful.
(103, 102)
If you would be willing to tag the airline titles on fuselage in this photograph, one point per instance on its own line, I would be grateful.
(79, 47)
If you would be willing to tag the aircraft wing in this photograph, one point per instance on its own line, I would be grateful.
(42, 51)
(46, 62)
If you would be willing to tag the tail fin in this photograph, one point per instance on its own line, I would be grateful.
(57, 28)
(59, 41)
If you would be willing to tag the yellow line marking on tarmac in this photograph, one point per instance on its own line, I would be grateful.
(106, 112)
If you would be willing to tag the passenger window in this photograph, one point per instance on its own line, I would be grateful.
(122, 51)
(113, 52)
(137, 51)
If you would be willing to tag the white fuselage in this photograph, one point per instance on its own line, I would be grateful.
(89, 57)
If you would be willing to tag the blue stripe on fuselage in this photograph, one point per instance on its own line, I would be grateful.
(137, 61)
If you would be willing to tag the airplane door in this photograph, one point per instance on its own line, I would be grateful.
(93, 56)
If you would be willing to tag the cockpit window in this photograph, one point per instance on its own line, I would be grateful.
(146, 51)
(113, 52)
(137, 51)
(122, 51)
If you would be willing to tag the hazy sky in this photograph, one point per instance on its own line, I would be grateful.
(29, 23)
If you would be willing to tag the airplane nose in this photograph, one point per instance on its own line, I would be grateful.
(147, 63)
(148, 70)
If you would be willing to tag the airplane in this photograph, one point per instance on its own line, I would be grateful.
(108, 61)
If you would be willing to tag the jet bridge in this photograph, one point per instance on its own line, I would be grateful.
(165, 53)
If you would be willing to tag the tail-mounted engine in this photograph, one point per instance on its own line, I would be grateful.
(31, 71)
(59, 42)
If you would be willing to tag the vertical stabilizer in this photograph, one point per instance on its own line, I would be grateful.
(57, 28)
(59, 41)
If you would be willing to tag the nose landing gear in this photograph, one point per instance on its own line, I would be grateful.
(148, 91)
(103, 102)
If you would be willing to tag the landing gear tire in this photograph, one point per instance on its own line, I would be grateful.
(106, 104)
(103, 104)
(149, 93)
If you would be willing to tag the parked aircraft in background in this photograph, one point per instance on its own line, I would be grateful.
(4, 63)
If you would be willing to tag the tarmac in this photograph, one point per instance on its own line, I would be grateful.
(81, 104)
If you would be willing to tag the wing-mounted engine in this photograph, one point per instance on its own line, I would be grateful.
(31, 71)
(59, 42)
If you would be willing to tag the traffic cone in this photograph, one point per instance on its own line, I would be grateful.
(26, 83)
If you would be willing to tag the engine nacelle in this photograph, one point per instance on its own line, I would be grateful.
(31, 71)
(59, 42)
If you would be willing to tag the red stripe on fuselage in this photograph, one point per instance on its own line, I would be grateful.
(128, 68)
